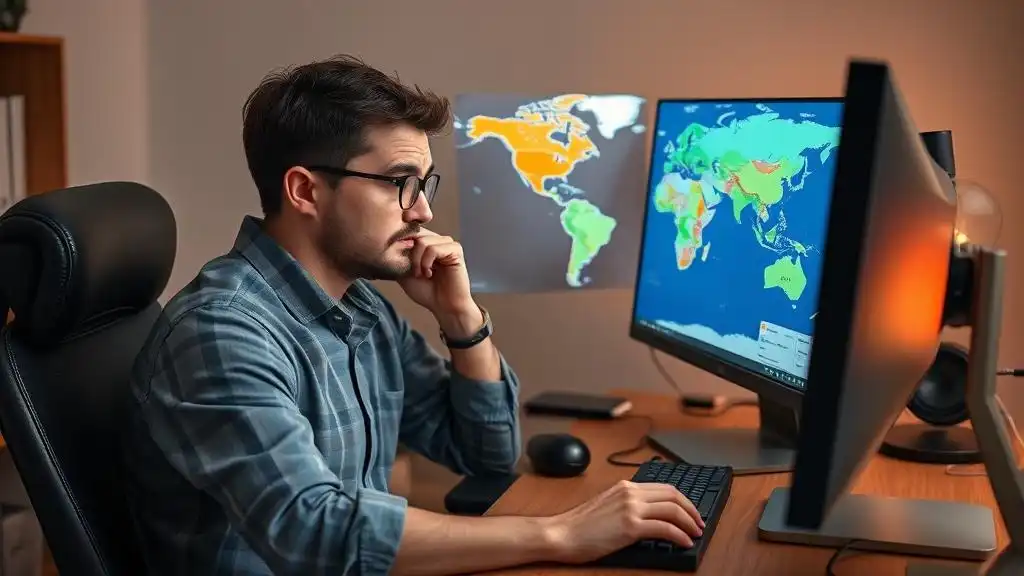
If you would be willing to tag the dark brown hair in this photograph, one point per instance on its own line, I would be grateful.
(317, 114)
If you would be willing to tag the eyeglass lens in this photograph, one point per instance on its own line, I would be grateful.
(411, 189)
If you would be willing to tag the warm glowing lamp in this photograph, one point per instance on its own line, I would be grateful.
(940, 400)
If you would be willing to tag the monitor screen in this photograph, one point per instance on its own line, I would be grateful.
(736, 215)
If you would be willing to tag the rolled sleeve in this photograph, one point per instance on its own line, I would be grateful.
(379, 526)
(486, 402)
(220, 405)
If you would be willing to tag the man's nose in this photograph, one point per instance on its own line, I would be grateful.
(420, 210)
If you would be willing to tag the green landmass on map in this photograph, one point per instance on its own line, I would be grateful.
(539, 157)
(590, 231)
(751, 161)
(788, 274)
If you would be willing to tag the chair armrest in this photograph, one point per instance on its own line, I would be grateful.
(474, 495)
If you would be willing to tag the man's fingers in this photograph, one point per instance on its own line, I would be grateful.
(416, 256)
(661, 530)
(661, 492)
(432, 239)
(674, 514)
(426, 263)
(436, 250)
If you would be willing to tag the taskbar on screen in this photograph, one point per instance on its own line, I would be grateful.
(781, 354)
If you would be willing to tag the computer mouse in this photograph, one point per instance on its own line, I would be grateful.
(558, 455)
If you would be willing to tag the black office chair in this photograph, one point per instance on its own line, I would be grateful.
(81, 268)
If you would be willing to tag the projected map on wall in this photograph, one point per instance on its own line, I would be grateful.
(551, 190)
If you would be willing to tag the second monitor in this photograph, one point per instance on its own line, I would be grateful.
(737, 205)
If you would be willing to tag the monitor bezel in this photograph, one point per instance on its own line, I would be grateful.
(867, 84)
(772, 390)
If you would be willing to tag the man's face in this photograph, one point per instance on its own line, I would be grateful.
(364, 232)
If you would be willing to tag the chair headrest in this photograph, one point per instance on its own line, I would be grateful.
(75, 259)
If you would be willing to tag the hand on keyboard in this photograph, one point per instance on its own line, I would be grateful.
(624, 514)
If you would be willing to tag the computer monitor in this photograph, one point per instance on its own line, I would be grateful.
(880, 308)
(737, 204)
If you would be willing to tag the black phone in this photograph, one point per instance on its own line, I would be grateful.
(578, 405)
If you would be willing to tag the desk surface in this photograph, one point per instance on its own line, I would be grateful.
(735, 547)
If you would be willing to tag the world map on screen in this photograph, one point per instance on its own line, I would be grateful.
(550, 190)
(738, 208)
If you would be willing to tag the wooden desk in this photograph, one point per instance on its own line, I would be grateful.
(735, 547)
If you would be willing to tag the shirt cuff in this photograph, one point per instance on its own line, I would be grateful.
(380, 532)
(485, 401)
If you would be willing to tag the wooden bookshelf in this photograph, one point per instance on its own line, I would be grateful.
(33, 66)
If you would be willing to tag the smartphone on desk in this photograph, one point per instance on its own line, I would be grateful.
(578, 405)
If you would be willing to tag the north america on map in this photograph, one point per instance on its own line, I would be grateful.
(739, 203)
(550, 189)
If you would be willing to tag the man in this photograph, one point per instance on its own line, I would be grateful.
(272, 395)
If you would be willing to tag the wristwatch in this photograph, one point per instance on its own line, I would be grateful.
(482, 334)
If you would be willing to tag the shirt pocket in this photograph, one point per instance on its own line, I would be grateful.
(340, 430)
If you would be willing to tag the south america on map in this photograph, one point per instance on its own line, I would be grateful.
(550, 189)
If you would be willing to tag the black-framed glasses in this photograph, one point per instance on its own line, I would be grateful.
(409, 186)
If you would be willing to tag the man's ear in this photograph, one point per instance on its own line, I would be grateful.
(301, 190)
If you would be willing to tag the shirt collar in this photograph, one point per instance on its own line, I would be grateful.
(298, 290)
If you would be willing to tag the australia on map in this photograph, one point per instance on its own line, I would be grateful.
(550, 189)
(738, 205)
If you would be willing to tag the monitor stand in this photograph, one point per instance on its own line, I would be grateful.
(936, 528)
(987, 420)
(769, 448)
(944, 529)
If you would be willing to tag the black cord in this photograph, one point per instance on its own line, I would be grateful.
(699, 405)
(831, 566)
(1015, 372)
(615, 457)
(664, 373)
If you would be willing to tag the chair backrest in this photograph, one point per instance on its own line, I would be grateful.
(81, 269)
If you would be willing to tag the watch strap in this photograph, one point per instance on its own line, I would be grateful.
(482, 334)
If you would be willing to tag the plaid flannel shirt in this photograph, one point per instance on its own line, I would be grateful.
(267, 416)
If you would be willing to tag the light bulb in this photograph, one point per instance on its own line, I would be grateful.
(979, 220)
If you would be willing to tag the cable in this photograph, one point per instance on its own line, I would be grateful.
(1015, 372)
(664, 373)
(830, 568)
(699, 404)
(614, 457)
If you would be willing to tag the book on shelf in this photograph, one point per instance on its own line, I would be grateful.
(13, 183)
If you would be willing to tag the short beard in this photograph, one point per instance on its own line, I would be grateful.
(353, 263)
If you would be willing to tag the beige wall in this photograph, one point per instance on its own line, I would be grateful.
(107, 96)
(156, 88)
(954, 65)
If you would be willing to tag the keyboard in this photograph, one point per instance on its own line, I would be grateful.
(707, 487)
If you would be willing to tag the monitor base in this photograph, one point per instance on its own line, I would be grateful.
(932, 444)
(743, 449)
(770, 448)
(893, 525)
(1009, 562)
